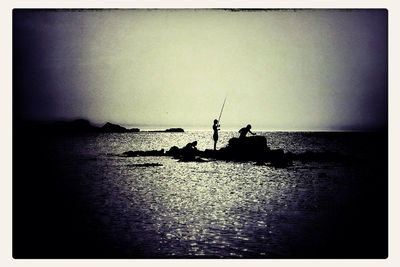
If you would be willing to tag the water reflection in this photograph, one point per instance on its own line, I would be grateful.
(211, 209)
(206, 209)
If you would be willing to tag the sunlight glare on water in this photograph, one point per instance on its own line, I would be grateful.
(192, 209)
(205, 209)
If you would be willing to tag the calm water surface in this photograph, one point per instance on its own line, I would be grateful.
(210, 209)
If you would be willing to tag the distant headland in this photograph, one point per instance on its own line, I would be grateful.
(83, 126)
(171, 130)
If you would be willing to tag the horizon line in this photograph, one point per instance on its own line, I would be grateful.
(156, 127)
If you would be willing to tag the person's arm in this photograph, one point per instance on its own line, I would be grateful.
(252, 132)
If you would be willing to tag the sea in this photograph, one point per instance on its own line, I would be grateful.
(81, 199)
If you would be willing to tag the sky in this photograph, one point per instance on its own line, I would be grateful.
(278, 69)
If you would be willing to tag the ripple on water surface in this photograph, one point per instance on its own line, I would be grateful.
(166, 208)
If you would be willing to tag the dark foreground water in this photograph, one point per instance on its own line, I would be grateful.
(74, 197)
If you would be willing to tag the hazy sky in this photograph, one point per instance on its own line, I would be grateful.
(305, 69)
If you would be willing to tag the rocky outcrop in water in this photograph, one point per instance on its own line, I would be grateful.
(143, 153)
(171, 130)
(252, 148)
(245, 149)
(174, 130)
(146, 165)
(114, 128)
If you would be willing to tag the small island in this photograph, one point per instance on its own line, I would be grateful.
(170, 130)
(175, 130)
(114, 128)
(83, 126)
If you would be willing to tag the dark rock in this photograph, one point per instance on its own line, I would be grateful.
(155, 153)
(113, 128)
(192, 159)
(133, 130)
(248, 148)
(279, 159)
(143, 153)
(173, 151)
(252, 144)
(187, 153)
(209, 153)
(130, 154)
(145, 165)
(178, 130)
(282, 162)
(253, 148)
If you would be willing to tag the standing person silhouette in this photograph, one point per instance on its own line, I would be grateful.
(244, 131)
(215, 135)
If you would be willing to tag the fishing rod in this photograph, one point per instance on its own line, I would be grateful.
(221, 111)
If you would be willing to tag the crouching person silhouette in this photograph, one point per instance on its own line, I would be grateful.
(189, 151)
(243, 132)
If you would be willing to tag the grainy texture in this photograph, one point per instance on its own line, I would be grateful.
(74, 197)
